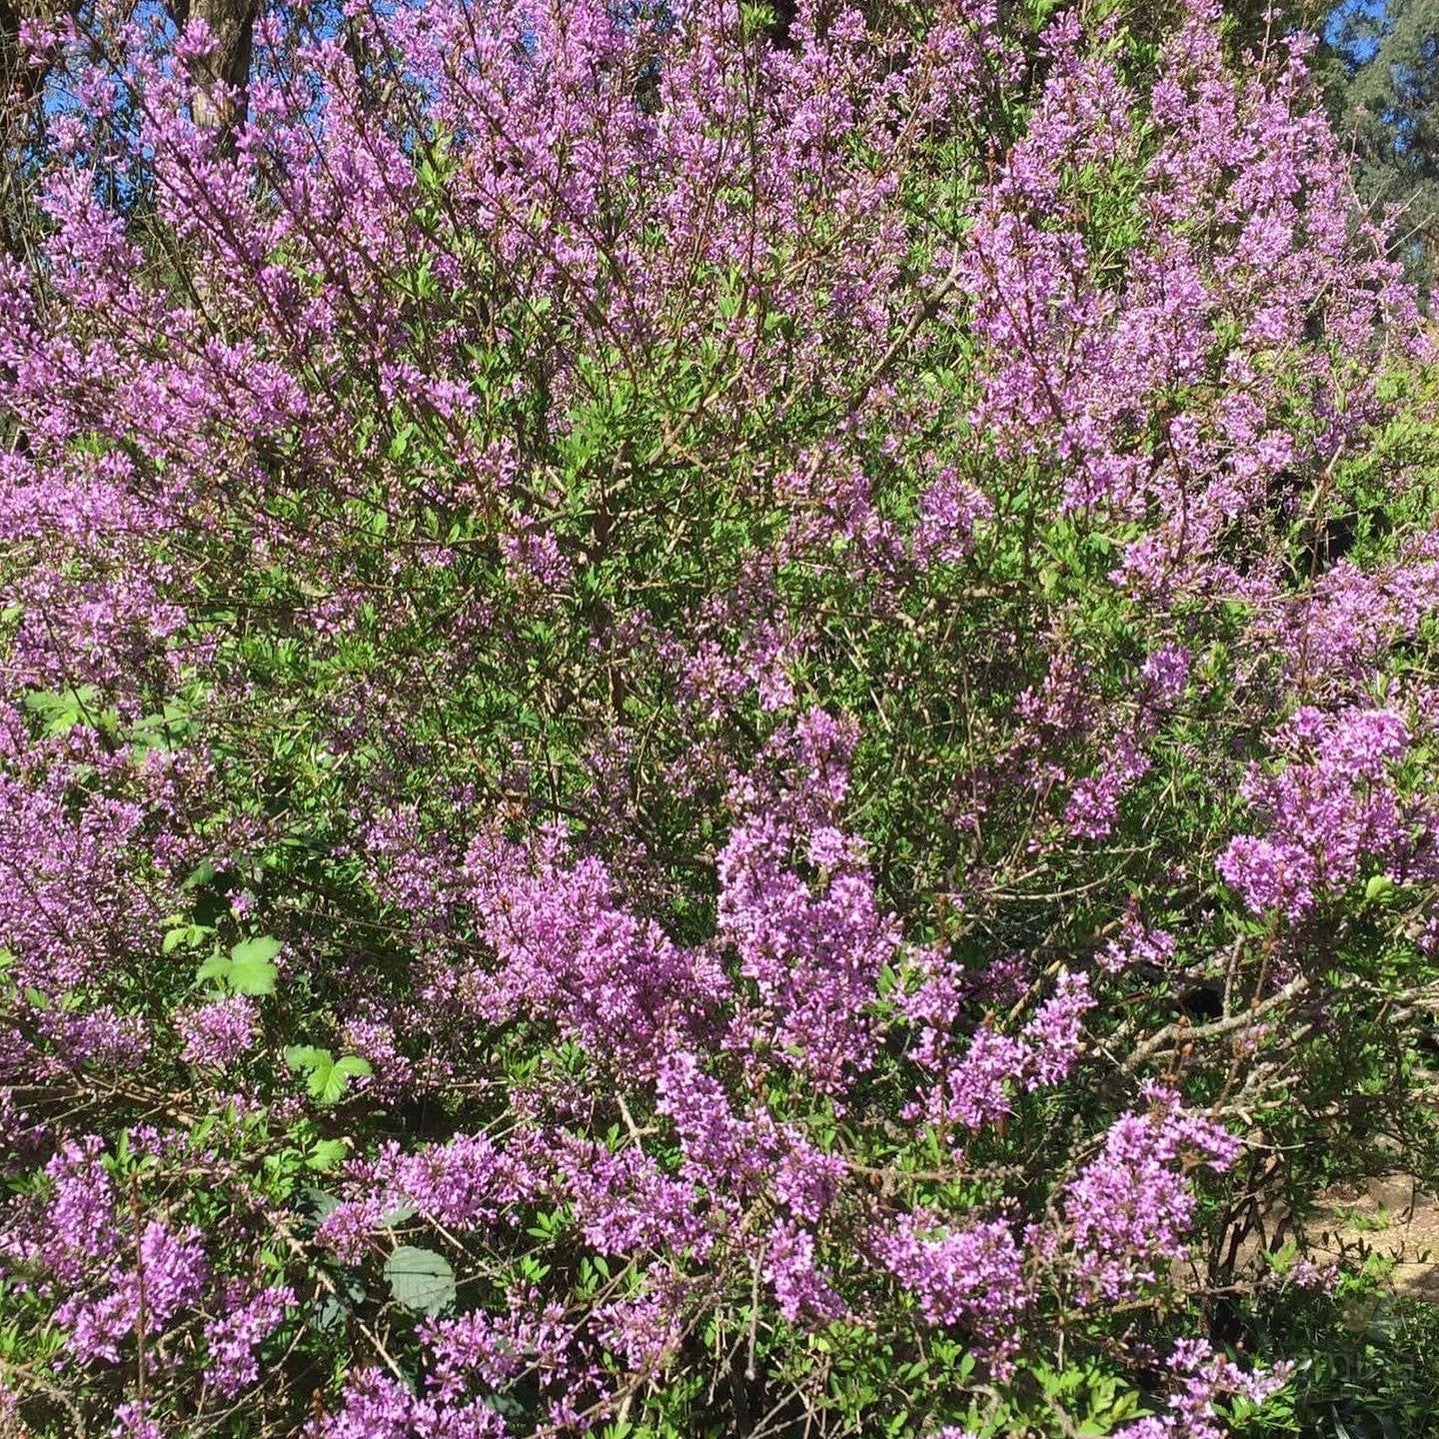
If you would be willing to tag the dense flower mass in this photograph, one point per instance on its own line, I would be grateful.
(1131, 1207)
(715, 720)
(1328, 814)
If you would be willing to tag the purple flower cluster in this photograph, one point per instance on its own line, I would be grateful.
(166, 1274)
(973, 1278)
(1328, 811)
(232, 1340)
(1130, 1210)
(217, 1035)
(977, 1087)
(813, 948)
(1201, 1376)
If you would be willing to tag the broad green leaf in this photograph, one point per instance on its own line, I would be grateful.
(327, 1154)
(218, 966)
(420, 1278)
(1380, 887)
(336, 1078)
(327, 1076)
(320, 1083)
(251, 970)
(321, 1202)
(306, 1056)
(261, 949)
(60, 713)
(254, 977)
(347, 1067)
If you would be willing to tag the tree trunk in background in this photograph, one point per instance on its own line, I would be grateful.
(20, 82)
(220, 103)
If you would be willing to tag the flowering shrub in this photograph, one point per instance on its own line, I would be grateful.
(707, 729)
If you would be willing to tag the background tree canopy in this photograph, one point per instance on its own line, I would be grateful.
(1385, 92)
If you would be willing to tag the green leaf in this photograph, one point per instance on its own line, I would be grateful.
(327, 1154)
(251, 970)
(328, 1076)
(60, 713)
(218, 966)
(188, 935)
(420, 1278)
(247, 969)
(337, 1077)
(201, 875)
(1379, 888)
(260, 950)
(306, 1056)
(253, 977)
(321, 1203)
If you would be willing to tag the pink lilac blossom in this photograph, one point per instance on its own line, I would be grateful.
(1136, 943)
(1130, 1210)
(1328, 811)
(971, 1278)
(802, 1290)
(466, 1182)
(1200, 1376)
(978, 1086)
(568, 950)
(813, 948)
(233, 1339)
(217, 1035)
(165, 1276)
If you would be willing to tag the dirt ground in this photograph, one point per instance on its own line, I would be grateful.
(1393, 1218)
